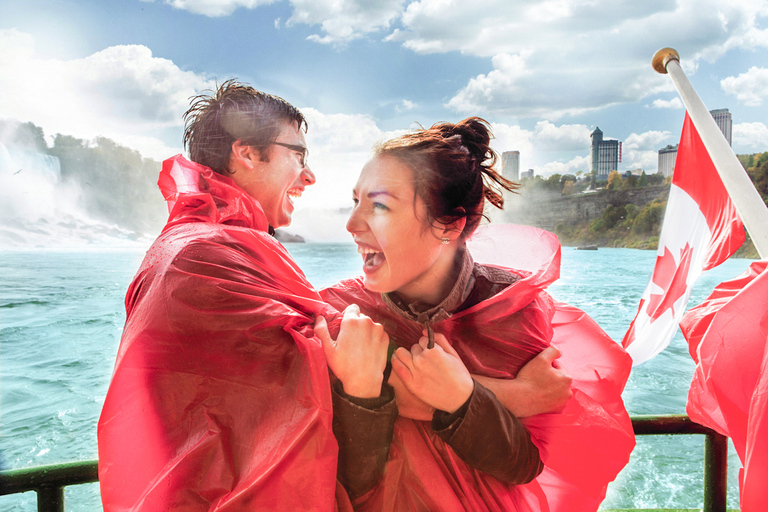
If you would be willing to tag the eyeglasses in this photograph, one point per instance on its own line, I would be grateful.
(299, 149)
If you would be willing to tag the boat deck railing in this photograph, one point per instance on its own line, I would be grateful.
(49, 481)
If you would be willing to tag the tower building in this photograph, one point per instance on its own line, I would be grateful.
(510, 165)
(667, 158)
(606, 154)
(668, 155)
(723, 119)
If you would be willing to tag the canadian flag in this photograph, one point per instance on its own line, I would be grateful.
(701, 229)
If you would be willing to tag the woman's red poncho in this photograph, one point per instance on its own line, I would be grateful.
(583, 447)
(220, 398)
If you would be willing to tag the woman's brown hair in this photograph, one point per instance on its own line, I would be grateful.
(452, 168)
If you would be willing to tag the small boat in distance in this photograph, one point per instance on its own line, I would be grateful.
(586, 248)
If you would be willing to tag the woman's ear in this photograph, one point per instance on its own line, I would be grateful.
(453, 230)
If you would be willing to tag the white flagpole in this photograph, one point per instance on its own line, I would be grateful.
(744, 195)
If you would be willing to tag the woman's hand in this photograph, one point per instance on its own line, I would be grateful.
(358, 355)
(540, 386)
(437, 375)
(408, 404)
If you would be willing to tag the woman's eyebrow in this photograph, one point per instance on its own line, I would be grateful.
(375, 193)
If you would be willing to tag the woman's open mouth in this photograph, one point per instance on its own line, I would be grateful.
(371, 259)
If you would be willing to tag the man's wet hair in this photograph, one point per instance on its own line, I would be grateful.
(234, 111)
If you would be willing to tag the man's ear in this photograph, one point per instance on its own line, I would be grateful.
(243, 156)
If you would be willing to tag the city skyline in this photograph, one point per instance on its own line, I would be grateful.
(544, 74)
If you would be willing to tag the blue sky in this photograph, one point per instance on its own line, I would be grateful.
(544, 73)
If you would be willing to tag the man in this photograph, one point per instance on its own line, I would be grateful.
(220, 398)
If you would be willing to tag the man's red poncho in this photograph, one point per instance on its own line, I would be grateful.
(220, 398)
(583, 447)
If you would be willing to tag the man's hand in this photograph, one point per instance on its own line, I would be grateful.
(358, 355)
(539, 387)
(435, 375)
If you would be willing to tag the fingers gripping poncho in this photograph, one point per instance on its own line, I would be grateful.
(583, 447)
(220, 397)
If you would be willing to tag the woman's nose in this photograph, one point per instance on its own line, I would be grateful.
(354, 223)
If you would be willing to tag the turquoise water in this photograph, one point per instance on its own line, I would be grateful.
(61, 315)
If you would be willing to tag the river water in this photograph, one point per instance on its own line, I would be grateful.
(61, 315)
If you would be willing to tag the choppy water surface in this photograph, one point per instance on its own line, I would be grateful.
(61, 315)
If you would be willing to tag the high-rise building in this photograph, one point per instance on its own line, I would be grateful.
(668, 155)
(606, 154)
(667, 158)
(527, 174)
(723, 119)
(510, 165)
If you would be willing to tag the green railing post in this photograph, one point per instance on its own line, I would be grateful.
(715, 472)
(715, 453)
(50, 499)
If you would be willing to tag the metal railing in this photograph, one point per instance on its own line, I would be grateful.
(49, 481)
(715, 453)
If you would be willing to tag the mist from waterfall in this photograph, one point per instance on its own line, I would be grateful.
(69, 196)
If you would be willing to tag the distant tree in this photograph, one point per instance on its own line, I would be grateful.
(759, 175)
(630, 181)
(643, 181)
(648, 219)
(615, 180)
(67, 141)
(611, 216)
(554, 183)
(569, 187)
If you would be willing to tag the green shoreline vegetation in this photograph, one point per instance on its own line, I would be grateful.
(632, 226)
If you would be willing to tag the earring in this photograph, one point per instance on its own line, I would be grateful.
(444, 240)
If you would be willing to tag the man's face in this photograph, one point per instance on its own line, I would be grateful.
(284, 177)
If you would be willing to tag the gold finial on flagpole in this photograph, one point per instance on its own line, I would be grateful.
(662, 57)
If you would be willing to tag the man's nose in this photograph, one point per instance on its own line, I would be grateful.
(308, 176)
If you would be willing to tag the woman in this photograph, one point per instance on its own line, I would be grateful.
(417, 203)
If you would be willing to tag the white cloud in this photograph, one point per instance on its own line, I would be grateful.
(536, 147)
(574, 57)
(215, 8)
(122, 92)
(566, 137)
(579, 163)
(750, 137)
(600, 49)
(406, 105)
(750, 88)
(646, 141)
(641, 151)
(674, 103)
(339, 145)
(345, 20)
(513, 138)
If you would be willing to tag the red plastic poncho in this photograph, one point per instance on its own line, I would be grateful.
(220, 398)
(583, 447)
(727, 336)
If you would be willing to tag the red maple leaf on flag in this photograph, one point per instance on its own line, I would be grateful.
(670, 276)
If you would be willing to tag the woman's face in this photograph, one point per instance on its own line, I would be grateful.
(401, 251)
